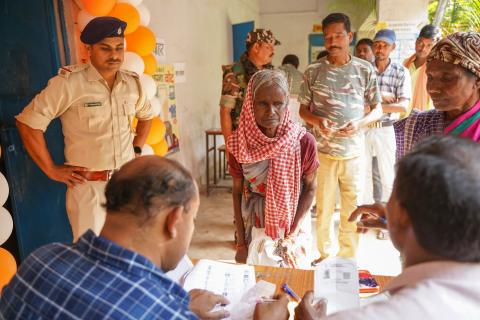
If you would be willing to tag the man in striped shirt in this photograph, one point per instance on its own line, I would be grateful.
(395, 87)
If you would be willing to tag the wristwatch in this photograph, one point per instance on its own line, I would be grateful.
(137, 150)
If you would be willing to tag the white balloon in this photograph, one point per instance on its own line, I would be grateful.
(6, 225)
(132, 2)
(144, 14)
(156, 106)
(83, 18)
(133, 62)
(3, 190)
(148, 85)
(147, 150)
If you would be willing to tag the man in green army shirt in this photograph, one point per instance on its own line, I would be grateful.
(258, 55)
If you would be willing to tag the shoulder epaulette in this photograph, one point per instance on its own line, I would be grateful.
(130, 73)
(66, 71)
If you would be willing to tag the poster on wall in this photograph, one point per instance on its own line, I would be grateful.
(165, 80)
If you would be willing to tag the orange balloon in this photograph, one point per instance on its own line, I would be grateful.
(8, 267)
(98, 7)
(160, 149)
(141, 41)
(150, 64)
(157, 132)
(128, 13)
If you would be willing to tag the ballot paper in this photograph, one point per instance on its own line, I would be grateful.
(336, 279)
(229, 280)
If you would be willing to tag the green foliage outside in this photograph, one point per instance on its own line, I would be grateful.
(460, 15)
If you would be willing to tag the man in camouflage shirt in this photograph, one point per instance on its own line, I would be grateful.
(332, 96)
(260, 49)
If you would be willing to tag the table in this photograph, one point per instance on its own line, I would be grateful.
(299, 280)
(212, 133)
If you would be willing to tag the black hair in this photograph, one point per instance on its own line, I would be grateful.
(438, 184)
(336, 18)
(148, 188)
(429, 32)
(291, 59)
(322, 54)
(368, 42)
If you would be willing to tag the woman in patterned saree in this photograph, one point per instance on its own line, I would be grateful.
(273, 163)
(453, 83)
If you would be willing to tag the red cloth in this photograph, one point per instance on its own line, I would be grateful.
(249, 145)
(308, 154)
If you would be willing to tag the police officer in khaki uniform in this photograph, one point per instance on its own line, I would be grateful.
(96, 104)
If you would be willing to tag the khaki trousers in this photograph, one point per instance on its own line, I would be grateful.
(345, 174)
(84, 207)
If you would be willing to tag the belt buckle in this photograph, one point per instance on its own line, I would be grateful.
(109, 174)
(375, 124)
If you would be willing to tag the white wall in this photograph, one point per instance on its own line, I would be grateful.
(411, 10)
(292, 21)
(292, 29)
(198, 32)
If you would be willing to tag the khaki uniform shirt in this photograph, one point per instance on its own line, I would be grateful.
(96, 122)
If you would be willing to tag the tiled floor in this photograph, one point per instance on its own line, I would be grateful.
(214, 229)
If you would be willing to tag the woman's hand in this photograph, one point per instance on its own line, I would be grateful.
(241, 254)
(372, 216)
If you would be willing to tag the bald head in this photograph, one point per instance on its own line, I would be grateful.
(147, 185)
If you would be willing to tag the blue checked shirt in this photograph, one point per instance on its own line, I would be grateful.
(92, 279)
(395, 81)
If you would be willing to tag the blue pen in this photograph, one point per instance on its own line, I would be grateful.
(383, 220)
(290, 292)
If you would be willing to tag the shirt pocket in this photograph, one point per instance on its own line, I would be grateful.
(95, 118)
(128, 115)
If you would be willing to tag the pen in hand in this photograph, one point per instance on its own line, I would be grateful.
(290, 292)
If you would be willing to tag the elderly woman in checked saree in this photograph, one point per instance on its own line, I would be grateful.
(273, 163)
(453, 83)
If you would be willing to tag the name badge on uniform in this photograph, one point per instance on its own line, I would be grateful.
(92, 104)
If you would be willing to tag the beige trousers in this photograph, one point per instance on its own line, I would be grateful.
(84, 207)
(345, 174)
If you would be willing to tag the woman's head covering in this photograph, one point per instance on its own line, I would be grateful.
(268, 76)
(462, 48)
(249, 145)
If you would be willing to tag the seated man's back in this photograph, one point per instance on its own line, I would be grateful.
(91, 279)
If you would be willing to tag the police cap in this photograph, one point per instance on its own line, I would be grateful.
(102, 27)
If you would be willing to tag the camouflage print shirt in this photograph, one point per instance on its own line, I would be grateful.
(339, 93)
(234, 87)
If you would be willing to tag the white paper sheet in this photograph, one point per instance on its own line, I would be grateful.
(336, 279)
(244, 309)
(183, 267)
(229, 280)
